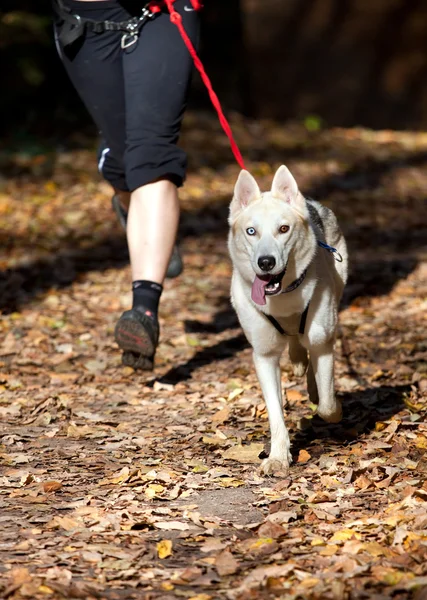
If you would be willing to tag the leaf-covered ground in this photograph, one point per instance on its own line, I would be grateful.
(120, 485)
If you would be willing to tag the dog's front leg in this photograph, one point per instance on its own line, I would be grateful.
(322, 363)
(268, 372)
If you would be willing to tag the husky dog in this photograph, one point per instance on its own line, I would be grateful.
(289, 270)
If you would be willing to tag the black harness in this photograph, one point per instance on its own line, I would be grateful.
(280, 329)
(293, 286)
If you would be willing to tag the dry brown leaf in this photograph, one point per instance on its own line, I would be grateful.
(293, 395)
(303, 456)
(222, 415)
(51, 486)
(244, 453)
(226, 564)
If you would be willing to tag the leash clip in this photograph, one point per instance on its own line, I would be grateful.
(131, 36)
(129, 39)
(334, 251)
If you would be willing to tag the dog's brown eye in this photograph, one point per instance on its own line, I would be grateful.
(284, 229)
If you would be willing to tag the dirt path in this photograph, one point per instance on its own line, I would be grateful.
(119, 485)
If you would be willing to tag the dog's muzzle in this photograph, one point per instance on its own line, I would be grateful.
(274, 285)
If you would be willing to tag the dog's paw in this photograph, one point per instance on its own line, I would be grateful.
(299, 368)
(274, 467)
(331, 414)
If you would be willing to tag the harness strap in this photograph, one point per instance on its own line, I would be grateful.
(303, 319)
(280, 329)
(276, 324)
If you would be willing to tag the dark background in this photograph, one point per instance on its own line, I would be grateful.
(342, 62)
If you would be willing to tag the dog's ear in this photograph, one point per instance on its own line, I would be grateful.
(285, 188)
(246, 191)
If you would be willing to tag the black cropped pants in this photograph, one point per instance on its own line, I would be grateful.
(136, 96)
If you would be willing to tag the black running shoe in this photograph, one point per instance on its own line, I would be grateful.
(137, 334)
(175, 266)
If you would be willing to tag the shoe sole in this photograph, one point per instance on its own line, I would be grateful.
(132, 336)
(137, 361)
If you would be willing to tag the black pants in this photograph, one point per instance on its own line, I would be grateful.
(136, 96)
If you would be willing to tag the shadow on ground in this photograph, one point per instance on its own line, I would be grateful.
(369, 276)
(362, 410)
(220, 351)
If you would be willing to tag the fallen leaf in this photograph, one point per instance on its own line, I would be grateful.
(244, 453)
(164, 548)
(303, 456)
(226, 564)
(293, 395)
(222, 415)
(51, 486)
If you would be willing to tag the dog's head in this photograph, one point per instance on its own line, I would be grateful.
(271, 238)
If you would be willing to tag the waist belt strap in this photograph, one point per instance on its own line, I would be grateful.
(74, 26)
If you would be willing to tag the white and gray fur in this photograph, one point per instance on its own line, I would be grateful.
(297, 250)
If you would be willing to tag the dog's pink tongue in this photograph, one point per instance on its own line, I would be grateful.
(258, 290)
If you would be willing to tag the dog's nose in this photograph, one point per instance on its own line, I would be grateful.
(266, 263)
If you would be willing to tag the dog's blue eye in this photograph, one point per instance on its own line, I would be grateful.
(250, 231)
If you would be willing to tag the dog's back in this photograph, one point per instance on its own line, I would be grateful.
(326, 226)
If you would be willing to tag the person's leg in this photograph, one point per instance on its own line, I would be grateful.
(152, 227)
(157, 73)
(157, 76)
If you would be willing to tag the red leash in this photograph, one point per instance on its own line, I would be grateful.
(176, 18)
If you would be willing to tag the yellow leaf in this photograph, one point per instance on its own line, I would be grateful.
(421, 442)
(330, 550)
(230, 482)
(261, 542)
(201, 597)
(394, 577)
(153, 490)
(164, 548)
(200, 468)
(167, 586)
(50, 186)
(317, 542)
(375, 549)
(235, 393)
(121, 477)
(344, 535)
(379, 426)
(44, 589)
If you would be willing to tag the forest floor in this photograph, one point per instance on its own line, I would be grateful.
(118, 484)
